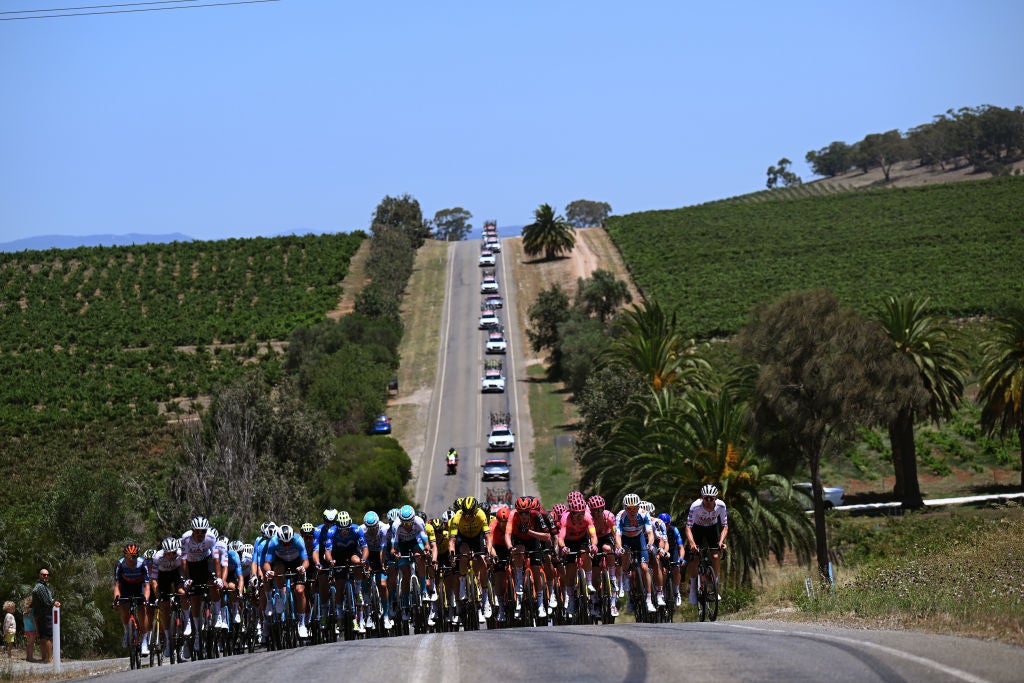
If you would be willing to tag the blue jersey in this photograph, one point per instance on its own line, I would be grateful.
(286, 552)
(234, 564)
(320, 535)
(346, 542)
(259, 552)
(131, 577)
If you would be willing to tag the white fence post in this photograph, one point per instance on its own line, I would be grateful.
(56, 640)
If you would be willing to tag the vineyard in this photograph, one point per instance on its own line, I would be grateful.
(113, 332)
(961, 244)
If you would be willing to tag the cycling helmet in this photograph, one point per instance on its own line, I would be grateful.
(502, 514)
(213, 532)
(371, 519)
(534, 503)
(631, 500)
(709, 490)
(330, 515)
(236, 546)
(558, 509)
(267, 529)
(523, 503)
(595, 502)
(665, 517)
(575, 502)
(457, 505)
(647, 506)
(149, 554)
(344, 520)
(285, 533)
(248, 549)
(200, 522)
(406, 513)
(131, 549)
(171, 544)
(306, 528)
(447, 516)
(392, 514)
(469, 504)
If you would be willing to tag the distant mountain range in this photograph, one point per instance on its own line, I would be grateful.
(43, 242)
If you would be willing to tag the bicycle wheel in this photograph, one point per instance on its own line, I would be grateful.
(156, 641)
(330, 618)
(134, 649)
(712, 596)
(348, 612)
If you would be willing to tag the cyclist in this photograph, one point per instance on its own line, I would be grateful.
(321, 533)
(131, 580)
(576, 535)
(376, 535)
(408, 537)
(707, 525)
(438, 536)
(197, 548)
(233, 577)
(606, 528)
(553, 522)
(498, 547)
(286, 553)
(348, 547)
(469, 531)
(167, 581)
(525, 533)
(637, 536)
(676, 557)
(660, 539)
(259, 555)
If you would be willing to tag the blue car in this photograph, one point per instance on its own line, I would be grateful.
(382, 425)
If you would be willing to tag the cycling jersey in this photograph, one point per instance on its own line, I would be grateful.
(604, 523)
(438, 535)
(576, 529)
(246, 560)
(376, 542)
(469, 525)
(632, 527)
(699, 516)
(166, 562)
(288, 553)
(130, 579)
(415, 532)
(320, 535)
(197, 551)
(659, 530)
(344, 544)
(259, 552)
(234, 565)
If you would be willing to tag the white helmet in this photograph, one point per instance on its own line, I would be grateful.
(709, 490)
(647, 506)
(171, 544)
(200, 522)
(631, 500)
(285, 533)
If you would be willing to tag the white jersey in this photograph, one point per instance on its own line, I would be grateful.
(192, 551)
(699, 516)
(165, 563)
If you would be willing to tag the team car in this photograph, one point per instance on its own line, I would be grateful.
(488, 320)
(493, 379)
(494, 301)
(496, 343)
(496, 469)
(501, 438)
(487, 258)
(489, 285)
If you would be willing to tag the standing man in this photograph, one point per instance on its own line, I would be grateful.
(42, 609)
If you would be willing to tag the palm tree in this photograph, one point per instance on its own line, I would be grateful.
(926, 343)
(1002, 380)
(648, 342)
(548, 234)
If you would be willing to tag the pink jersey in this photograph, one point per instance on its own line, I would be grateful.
(604, 523)
(576, 529)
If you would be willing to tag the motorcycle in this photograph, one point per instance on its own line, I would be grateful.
(453, 465)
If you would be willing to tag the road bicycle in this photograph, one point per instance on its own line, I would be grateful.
(637, 592)
(134, 634)
(707, 587)
(349, 614)
(158, 635)
(577, 611)
(606, 608)
(204, 635)
(666, 613)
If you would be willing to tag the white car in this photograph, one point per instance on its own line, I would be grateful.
(832, 495)
(489, 285)
(496, 343)
(487, 258)
(494, 244)
(492, 381)
(489, 320)
(501, 438)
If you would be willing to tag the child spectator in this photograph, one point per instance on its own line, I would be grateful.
(29, 624)
(10, 627)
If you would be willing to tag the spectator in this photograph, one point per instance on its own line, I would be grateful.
(29, 624)
(10, 627)
(42, 609)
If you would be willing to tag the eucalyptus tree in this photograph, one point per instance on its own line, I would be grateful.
(549, 234)
(925, 341)
(1002, 380)
(824, 372)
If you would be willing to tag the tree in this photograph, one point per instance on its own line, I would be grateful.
(601, 294)
(831, 161)
(403, 213)
(452, 225)
(549, 234)
(1002, 380)
(546, 314)
(920, 338)
(781, 173)
(882, 150)
(824, 372)
(584, 213)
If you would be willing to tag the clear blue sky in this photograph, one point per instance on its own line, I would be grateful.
(302, 115)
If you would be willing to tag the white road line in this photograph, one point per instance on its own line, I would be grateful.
(924, 661)
(439, 390)
(509, 352)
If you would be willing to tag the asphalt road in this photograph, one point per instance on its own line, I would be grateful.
(723, 651)
(459, 413)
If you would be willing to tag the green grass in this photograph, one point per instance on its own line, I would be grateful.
(554, 467)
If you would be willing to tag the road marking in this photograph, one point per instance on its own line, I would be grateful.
(509, 352)
(439, 393)
(924, 661)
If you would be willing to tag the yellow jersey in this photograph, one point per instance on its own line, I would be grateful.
(469, 525)
(439, 535)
